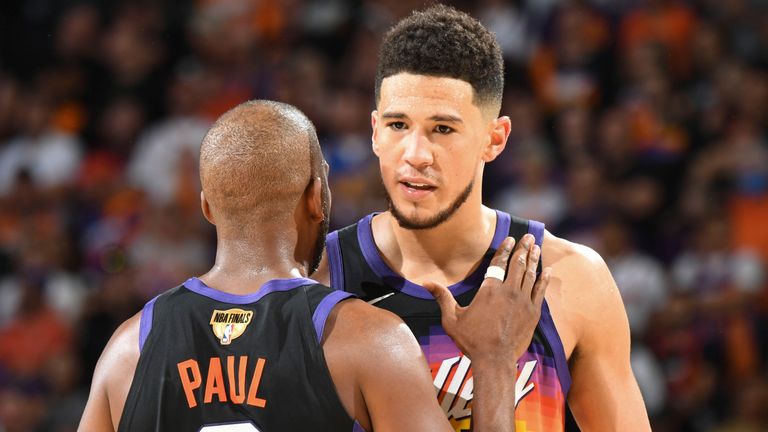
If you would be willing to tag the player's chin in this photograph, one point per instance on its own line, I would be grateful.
(411, 217)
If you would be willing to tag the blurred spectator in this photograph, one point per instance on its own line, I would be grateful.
(66, 401)
(533, 195)
(640, 278)
(22, 407)
(50, 158)
(643, 286)
(668, 23)
(583, 185)
(511, 27)
(722, 284)
(169, 151)
(169, 248)
(566, 72)
(750, 413)
(34, 335)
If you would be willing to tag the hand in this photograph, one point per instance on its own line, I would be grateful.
(498, 325)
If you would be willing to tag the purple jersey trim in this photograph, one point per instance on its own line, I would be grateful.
(357, 428)
(145, 322)
(399, 283)
(536, 228)
(324, 309)
(335, 263)
(197, 286)
(547, 324)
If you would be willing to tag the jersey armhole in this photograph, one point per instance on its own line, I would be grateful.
(145, 322)
(335, 263)
(536, 229)
(324, 308)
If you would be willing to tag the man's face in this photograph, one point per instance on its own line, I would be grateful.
(430, 138)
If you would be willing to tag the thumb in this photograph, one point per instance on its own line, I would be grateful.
(444, 299)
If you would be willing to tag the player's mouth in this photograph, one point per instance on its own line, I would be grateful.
(415, 189)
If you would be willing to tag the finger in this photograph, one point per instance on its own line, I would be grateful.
(518, 263)
(444, 298)
(540, 288)
(499, 261)
(529, 278)
(501, 257)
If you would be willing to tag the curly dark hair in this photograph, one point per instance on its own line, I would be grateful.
(442, 41)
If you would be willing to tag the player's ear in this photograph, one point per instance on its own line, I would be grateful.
(206, 208)
(374, 135)
(500, 129)
(314, 199)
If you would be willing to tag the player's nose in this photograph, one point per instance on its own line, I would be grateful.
(418, 150)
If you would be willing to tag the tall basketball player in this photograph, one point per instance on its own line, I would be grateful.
(253, 345)
(438, 95)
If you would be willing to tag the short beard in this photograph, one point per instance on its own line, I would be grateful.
(317, 256)
(439, 218)
(317, 253)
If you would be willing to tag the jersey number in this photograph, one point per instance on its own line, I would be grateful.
(231, 427)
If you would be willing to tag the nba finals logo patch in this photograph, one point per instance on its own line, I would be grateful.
(230, 324)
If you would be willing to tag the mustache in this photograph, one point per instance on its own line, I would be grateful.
(427, 173)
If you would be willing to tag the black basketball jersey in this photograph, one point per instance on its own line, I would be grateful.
(543, 380)
(217, 362)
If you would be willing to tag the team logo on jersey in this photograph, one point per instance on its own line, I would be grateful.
(230, 324)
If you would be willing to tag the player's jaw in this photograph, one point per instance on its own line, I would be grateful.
(413, 209)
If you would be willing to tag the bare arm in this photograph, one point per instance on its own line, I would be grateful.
(379, 370)
(604, 395)
(112, 379)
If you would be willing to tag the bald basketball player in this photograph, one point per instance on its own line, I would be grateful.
(439, 87)
(253, 345)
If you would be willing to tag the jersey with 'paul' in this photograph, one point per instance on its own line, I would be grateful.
(217, 362)
(543, 380)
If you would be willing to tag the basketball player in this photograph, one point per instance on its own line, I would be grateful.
(253, 345)
(438, 95)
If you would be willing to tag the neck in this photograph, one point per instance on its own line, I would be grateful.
(245, 261)
(446, 253)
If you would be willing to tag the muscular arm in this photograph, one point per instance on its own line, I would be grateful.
(112, 379)
(604, 395)
(380, 371)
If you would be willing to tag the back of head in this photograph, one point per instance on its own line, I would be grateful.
(444, 42)
(256, 161)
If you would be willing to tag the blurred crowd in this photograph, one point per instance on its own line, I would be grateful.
(638, 128)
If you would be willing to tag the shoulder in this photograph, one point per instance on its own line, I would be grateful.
(581, 265)
(356, 324)
(358, 335)
(112, 378)
(120, 356)
(582, 294)
(366, 349)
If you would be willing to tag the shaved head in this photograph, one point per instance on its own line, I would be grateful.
(256, 161)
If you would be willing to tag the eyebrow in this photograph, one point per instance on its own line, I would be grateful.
(446, 118)
(437, 117)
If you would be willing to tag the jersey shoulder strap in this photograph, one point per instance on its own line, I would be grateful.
(322, 300)
(348, 267)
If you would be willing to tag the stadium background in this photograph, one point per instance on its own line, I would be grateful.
(639, 128)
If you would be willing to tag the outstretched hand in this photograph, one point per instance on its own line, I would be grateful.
(499, 323)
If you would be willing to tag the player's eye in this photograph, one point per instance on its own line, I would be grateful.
(443, 129)
(398, 125)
